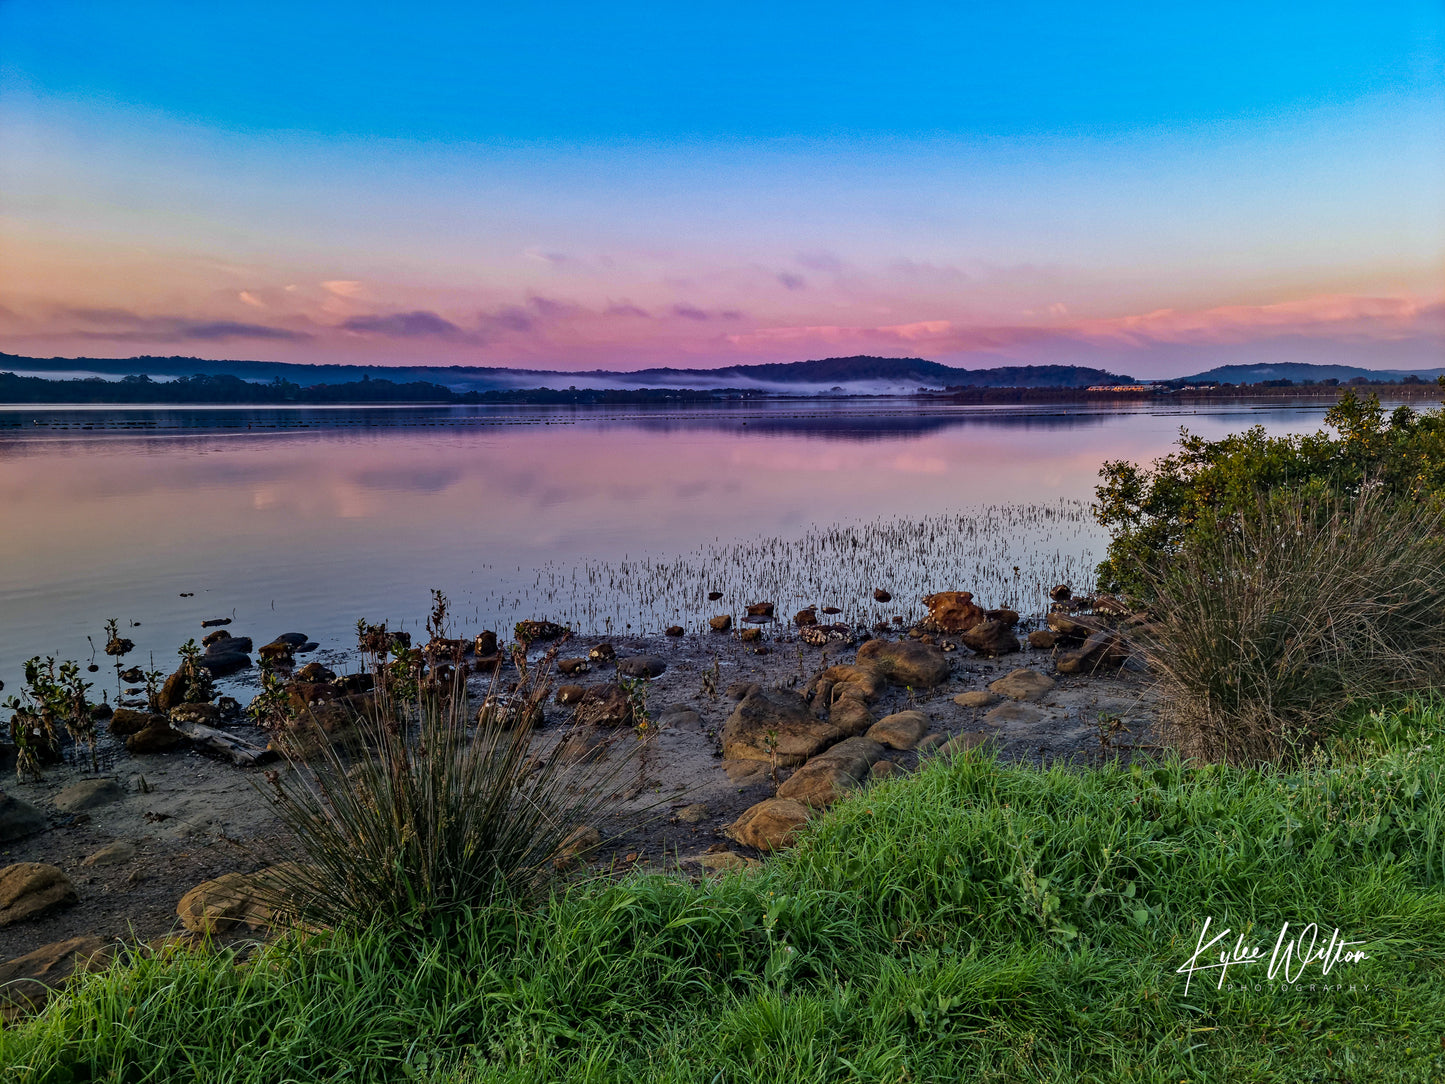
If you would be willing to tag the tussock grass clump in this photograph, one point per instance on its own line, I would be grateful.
(1274, 620)
(429, 813)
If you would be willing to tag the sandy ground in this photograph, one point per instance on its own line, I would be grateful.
(192, 818)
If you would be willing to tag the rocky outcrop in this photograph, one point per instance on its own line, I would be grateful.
(771, 825)
(901, 730)
(917, 665)
(951, 611)
(31, 890)
(832, 773)
(1024, 685)
(776, 726)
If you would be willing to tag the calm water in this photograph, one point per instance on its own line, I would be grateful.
(307, 520)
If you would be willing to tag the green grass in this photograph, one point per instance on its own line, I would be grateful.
(977, 921)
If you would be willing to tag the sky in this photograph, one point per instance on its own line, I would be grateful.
(1154, 189)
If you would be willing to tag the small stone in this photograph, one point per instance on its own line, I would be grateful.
(1015, 713)
(692, 814)
(1043, 639)
(976, 698)
(931, 743)
(18, 818)
(641, 666)
(112, 854)
(850, 716)
(582, 841)
(884, 769)
(570, 694)
(962, 743)
(750, 636)
(901, 730)
(673, 630)
(31, 890)
(88, 794)
(602, 653)
(720, 623)
(1024, 685)
(880, 595)
(573, 666)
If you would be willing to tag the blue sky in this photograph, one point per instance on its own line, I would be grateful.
(570, 185)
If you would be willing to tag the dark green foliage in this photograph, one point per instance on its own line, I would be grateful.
(1151, 511)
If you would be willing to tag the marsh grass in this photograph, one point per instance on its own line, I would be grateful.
(979, 920)
(429, 810)
(1273, 621)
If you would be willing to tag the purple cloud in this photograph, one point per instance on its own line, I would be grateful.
(791, 281)
(403, 325)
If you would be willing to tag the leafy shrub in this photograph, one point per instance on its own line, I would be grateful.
(1151, 511)
(1274, 619)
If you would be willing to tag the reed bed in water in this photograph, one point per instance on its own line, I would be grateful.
(1006, 554)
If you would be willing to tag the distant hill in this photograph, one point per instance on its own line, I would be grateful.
(1302, 373)
(852, 375)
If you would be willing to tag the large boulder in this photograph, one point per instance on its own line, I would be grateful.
(1101, 649)
(952, 611)
(156, 739)
(235, 899)
(991, 638)
(837, 683)
(32, 890)
(771, 825)
(775, 725)
(127, 721)
(832, 773)
(18, 819)
(852, 717)
(901, 730)
(908, 662)
(1024, 685)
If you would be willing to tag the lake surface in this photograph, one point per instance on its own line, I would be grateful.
(608, 518)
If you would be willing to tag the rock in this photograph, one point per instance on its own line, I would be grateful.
(830, 610)
(213, 622)
(641, 666)
(101, 712)
(1024, 685)
(1113, 607)
(528, 632)
(172, 692)
(884, 769)
(1016, 713)
(931, 743)
(760, 609)
(713, 596)
(127, 721)
(88, 794)
(775, 726)
(976, 698)
(214, 637)
(919, 666)
(485, 643)
(901, 730)
(276, 651)
(112, 854)
(26, 982)
(880, 595)
(819, 635)
(1061, 593)
(720, 623)
(571, 694)
(692, 814)
(1073, 626)
(235, 899)
(862, 683)
(1010, 618)
(18, 818)
(1044, 639)
(673, 630)
(156, 739)
(750, 636)
(808, 616)
(746, 771)
(852, 717)
(241, 644)
(952, 611)
(739, 689)
(31, 890)
(680, 718)
(771, 825)
(225, 662)
(573, 666)
(602, 653)
(1102, 648)
(832, 773)
(583, 840)
(962, 743)
(313, 673)
(991, 638)
(204, 714)
(295, 639)
(605, 706)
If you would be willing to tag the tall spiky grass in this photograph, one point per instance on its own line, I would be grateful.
(1274, 622)
(419, 817)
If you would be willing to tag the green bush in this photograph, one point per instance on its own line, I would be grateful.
(1151, 511)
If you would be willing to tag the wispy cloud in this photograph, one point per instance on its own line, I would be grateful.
(403, 325)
